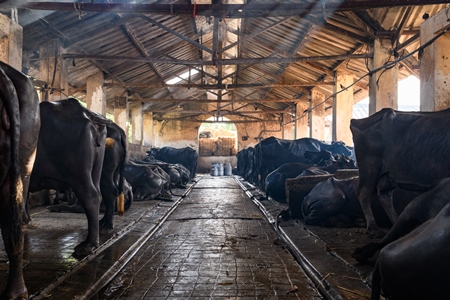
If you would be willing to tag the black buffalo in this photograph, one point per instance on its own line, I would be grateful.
(322, 157)
(148, 182)
(185, 156)
(19, 129)
(422, 208)
(275, 183)
(408, 150)
(245, 161)
(112, 178)
(179, 174)
(333, 202)
(271, 153)
(416, 266)
(70, 154)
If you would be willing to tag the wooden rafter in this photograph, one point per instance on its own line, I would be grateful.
(264, 60)
(226, 10)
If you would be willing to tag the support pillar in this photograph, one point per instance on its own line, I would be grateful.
(301, 120)
(54, 71)
(317, 115)
(95, 94)
(148, 128)
(137, 124)
(435, 64)
(343, 107)
(121, 113)
(11, 41)
(288, 128)
(383, 85)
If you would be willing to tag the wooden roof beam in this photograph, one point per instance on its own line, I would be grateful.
(236, 61)
(248, 10)
(216, 86)
(193, 100)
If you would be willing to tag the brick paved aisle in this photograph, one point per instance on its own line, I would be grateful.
(215, 245)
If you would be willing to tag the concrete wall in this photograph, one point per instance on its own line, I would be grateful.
(180, 134)
(176, 134)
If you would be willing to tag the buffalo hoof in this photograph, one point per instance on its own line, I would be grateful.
(106, 228)
(285, 215)
(364, 253)
(84, 249)
(53, 209)
(17, 294)
(375, 233)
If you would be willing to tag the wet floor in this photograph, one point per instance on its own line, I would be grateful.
(215, 245)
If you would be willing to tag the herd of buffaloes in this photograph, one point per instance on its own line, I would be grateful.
(401, 158)
(402, 185)
(41, 149)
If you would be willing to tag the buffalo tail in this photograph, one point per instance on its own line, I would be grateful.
(120, 204)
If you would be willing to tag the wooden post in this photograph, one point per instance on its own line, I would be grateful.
(95, 95)
(121, 113)
(343, 107)
(11, 42)
(301, 120)
(383, 85)
(435, 64)
(317, 115)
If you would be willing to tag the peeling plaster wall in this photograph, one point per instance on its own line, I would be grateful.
(254, 132)
(176, 134)
(180, 134)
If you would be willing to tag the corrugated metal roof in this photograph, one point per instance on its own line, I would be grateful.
(187, 38)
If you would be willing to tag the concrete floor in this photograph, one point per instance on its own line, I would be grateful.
(215, 245)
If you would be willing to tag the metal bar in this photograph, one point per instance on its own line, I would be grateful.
(407, 42)
(222, 112)
(169, 100)
(237, 61)
(206, 121)
(216, 86)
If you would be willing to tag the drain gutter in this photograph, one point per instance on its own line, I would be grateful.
(324, 287)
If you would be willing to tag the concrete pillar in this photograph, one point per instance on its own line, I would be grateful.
(137, 124)
(11, 41)
(301, 120)
(148, 128)
(121, 113)
(343, 107)
(53, 71)
(383, 85)
(317, 115)
(288, 127)
(95, 94)
(435, 64)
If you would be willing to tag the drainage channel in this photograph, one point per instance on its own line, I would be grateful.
(327, 270)
(93, 272)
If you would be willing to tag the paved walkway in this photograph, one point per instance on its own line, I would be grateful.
(215, 245)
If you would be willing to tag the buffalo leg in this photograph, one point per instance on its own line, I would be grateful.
(106, 223)
(12, 233)
(386, 201)
(364, 196)
(90, 201)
